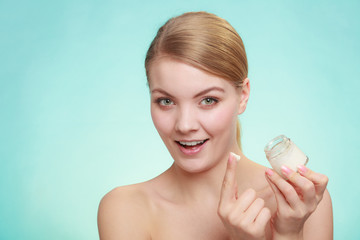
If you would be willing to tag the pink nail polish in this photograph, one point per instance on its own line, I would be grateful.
(286, 171)
(269, 172)
(302, 169)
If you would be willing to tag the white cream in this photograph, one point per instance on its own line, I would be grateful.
(236, 156)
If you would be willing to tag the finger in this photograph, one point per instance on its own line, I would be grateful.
(304, 187)
(253, 210)
(245, 200)
(263, 218)
(228, 190)
(284, 191)
(319, 180)
(280, 199)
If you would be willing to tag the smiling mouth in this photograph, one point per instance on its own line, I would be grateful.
(191, 144)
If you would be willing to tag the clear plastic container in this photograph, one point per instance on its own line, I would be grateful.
(282, 151)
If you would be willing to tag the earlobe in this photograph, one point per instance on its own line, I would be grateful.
(244, 95)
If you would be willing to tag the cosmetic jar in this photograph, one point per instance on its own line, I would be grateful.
(282, 151)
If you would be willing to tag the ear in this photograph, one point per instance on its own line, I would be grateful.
(244, 95)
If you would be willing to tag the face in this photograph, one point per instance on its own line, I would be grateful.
(195, 113)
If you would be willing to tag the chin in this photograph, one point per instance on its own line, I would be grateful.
(193, 165)
(193, 168)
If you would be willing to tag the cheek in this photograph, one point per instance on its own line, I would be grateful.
(221, 120)
(162, 121)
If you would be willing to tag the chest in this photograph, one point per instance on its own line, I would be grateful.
(196, 222)
(180, 223)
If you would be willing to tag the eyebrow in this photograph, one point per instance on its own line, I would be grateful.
(197, 95)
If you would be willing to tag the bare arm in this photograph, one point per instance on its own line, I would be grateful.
(320, 224)
(123, 214)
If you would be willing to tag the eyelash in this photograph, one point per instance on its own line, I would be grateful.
(215, 101)
(161, 99)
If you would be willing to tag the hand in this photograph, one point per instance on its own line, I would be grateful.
(245, 216)
(297, 197)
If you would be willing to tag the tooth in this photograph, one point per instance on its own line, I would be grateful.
(191, 143)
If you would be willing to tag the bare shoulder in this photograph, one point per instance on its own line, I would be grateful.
(320, 223)
(255, 175)
(124, 213)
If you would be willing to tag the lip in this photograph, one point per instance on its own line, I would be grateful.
(193, 150)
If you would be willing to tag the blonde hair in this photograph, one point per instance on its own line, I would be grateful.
(204, 41)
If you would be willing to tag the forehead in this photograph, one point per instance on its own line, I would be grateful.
(171, 74)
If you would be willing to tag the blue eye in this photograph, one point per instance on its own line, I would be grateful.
(209, 101)
(165, 101)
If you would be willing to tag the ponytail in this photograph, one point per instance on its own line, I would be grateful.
(238, 135)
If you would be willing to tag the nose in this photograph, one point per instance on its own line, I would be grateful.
(186, 120)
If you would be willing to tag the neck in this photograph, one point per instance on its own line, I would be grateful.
(205, 186)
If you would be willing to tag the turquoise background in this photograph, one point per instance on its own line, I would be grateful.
(75, 119)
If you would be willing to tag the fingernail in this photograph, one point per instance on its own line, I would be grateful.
(237, 157)
(286, 171)
(269, 172)
(302, 169)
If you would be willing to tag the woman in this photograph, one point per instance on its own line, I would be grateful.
(197, 73)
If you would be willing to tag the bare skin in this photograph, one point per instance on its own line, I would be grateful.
(162, 209)
(205, 194)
